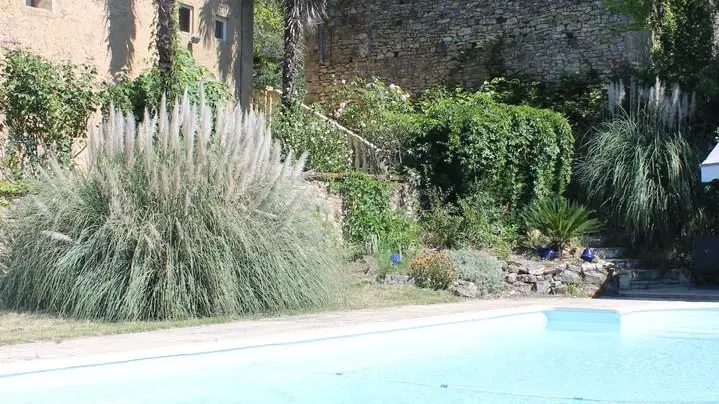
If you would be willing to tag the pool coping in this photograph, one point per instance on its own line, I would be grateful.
(48, 356)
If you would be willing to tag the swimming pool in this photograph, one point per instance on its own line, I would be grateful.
(554, 356)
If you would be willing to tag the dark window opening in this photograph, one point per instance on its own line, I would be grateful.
(185, 19)
(44, 4)
(221, 30)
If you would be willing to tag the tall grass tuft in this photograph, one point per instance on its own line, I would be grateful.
(178, 216)
(639, 170)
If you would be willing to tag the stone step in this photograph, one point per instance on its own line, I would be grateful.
(597, 241)
(626, 263)
(608, 253)
(682, 293)
(662, 283)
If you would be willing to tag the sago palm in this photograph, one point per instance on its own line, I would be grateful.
(560, 220)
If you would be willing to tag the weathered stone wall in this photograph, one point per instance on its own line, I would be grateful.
(115, 35)
(421, 43)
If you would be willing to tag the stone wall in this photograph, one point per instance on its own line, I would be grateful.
(422, 43)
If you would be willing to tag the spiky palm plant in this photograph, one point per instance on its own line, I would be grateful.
(177, 217)
(560, 220)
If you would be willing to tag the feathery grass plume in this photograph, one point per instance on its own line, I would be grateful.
(163, 226)
(640, 171)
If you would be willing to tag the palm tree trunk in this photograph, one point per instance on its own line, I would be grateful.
(165, 40)
(293, 31)
(246, 51)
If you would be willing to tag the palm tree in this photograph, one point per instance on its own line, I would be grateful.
(165, 38)
(297, 13)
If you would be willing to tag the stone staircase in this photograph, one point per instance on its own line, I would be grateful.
(638, 281)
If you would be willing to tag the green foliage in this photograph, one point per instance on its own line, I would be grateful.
(380, 113)
(640, 171)
(368, 219)
(146, 90)
(329, 149)
(46, 105)
(640, 11)
(560, 220)
(432, 270)
(513, 154)
(581, 99)
(268, 37)
(10, 190)
(177, 220)
(474, 221)
(478, 267)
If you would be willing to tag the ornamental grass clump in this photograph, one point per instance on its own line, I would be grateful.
(180, 216)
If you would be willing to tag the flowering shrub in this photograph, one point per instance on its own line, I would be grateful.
(329, 150)
(432, 270)
(381, 113)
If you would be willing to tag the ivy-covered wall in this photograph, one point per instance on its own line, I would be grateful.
(422, 43)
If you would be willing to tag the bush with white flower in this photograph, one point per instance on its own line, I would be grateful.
(381, 113)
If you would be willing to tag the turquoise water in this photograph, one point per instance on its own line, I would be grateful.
(561, 356)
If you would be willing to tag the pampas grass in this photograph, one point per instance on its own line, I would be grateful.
(179, 216)
(639, 170)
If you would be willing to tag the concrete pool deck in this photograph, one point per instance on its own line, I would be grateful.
(31, 357)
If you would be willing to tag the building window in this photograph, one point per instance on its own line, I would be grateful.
(221, 29)
(44, 4)
(185, 18)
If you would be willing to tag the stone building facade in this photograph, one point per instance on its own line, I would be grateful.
(116, 35)
(417, 44)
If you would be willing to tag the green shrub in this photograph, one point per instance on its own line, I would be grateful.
(478, 267)
(368, 219)
(178, 220)
(10, 190)
(46, 105)
(581, 98)
(560, 220)
(512, 154)
(474, 221)
(145, 91)
(329, 149)
(432, 270)
(640, 172)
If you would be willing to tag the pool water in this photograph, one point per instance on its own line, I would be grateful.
(559, 356)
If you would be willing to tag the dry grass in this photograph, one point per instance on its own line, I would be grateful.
(357, 294)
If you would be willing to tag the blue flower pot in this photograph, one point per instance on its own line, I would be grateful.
(395, 259)
(587, 255)
(547, 254)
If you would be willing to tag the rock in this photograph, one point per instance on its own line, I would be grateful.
(543, 287)
(554, 269)
(570, 277)
(398, 280)
(523, 270)
(558, 288)
(589, 266)
(517, 289)
(574, 268)
(527, 278)
(464, 289)
(510, 278)
(513, 268)
(595, 278)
